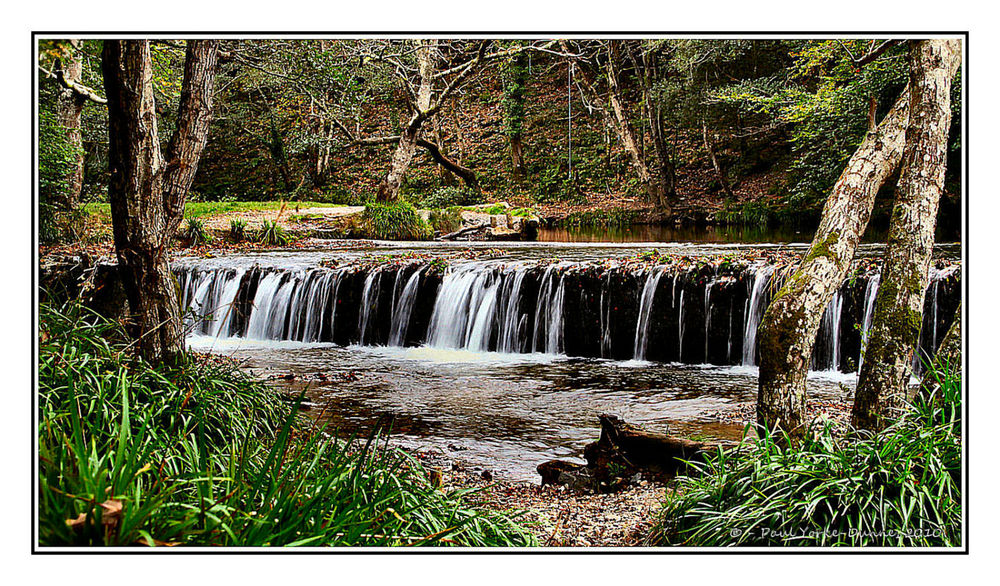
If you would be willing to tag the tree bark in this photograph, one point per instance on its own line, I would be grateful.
(69, 109)
(388, 190)
(624, 128)
(715, 161)
(882, 382)
(790, 324)
(148, 190)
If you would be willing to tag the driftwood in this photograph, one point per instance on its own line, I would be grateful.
(623, 454)
(464, 232)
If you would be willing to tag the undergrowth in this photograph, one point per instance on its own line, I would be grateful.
(900, 487)
(202, 455)
(394, 221)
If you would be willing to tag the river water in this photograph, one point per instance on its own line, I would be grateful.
(501, 411)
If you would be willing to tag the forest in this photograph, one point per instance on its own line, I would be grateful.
(500, 292)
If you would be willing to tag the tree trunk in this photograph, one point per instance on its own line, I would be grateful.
(790, 324)
(665, 163)
(69, 108)
(467, 175)
(882, 382)
(388, 190)
(624, 129)
(147, 191)
(715, 161)
(517, 156)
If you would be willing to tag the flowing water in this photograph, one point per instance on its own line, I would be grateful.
(506, 362)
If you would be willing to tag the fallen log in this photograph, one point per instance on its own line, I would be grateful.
(623, 455)
(464, 231)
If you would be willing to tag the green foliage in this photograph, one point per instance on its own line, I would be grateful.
(237, 229)
(394, 221)
(194, 232)
(515, 90)
(272, 233)
(901, 487)
(202, 455)
(56, 160)
(446, 197)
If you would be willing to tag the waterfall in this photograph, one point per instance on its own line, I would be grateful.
(755, 312)
(708, 314)
(522, 307)
(680, 328)
(369, 303)
(871, 290)
(403, 308)
(548, 336)
(826, 350)
(605, 309)
(645, 310)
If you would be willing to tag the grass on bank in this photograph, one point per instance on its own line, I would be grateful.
(197, 209)
(900, 487)
(201, 454)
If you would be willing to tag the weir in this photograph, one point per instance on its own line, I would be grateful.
(690, 313)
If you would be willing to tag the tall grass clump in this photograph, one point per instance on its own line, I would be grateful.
(194, 232)
(237, 229)
(394, 221)
(900, 487)
(272, 233)
(202, 455)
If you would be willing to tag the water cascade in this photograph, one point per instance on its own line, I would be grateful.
(577, 309)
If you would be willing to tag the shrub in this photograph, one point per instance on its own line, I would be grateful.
(237, 229)
(446, 197)
(447, 220)
(195, 233)
(901, 487)
(394, 221)
(56, 159)
(201, 454)
(272, 233)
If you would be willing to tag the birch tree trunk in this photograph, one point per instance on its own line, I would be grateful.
(388, 190)
(148, 190)
(882, 382)
(791, 322)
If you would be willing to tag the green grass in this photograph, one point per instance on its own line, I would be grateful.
(394, 221)
(201, 454)
(272, 233)
(197, 209)
(901, 487)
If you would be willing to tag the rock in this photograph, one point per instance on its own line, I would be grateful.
(487, 475)
(572, 476)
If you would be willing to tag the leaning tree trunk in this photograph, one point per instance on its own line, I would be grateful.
(791, 322)
(882, 382)
(147, 191)
(388, 190)
(625, 132)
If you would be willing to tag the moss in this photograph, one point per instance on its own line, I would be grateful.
(823, 248)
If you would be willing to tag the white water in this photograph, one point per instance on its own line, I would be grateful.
(645, 311)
